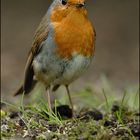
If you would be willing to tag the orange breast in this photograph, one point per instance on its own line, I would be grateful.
(74, 34)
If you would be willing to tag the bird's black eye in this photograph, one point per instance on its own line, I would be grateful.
(64, 2)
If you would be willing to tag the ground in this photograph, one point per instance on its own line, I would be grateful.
(108, 120)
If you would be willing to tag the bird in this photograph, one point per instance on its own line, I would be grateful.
(62, 50)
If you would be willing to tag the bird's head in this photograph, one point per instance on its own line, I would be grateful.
(63, 8)
(72, 3)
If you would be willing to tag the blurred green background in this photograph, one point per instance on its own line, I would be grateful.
(117, 43)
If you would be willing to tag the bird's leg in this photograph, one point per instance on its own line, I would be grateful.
(70, 100)
(49, 99)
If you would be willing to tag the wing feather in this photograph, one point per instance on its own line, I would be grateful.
(40, 35)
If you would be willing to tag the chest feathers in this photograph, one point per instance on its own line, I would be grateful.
(74, 34)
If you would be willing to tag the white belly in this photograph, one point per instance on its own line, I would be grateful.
(75, 68)
(60, 71)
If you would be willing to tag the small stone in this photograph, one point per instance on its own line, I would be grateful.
(53, 127)
(4, 127)
(21, 122)
(115, 108)
(135, 128)
(91, 114)
(63, 111)
(13, 115)
(108, 123)
(25, 133)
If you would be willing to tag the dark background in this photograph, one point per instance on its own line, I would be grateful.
(117, 27)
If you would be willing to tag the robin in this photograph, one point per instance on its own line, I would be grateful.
(62, 50)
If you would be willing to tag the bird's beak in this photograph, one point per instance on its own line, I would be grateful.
(80, 5)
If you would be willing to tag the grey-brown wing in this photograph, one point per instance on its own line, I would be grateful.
(40, 35)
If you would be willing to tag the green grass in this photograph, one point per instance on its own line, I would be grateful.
(89, 97)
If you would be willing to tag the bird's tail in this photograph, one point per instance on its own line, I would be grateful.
(25, 90)
(19, 91)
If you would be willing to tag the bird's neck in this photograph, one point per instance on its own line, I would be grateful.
(60, 14)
